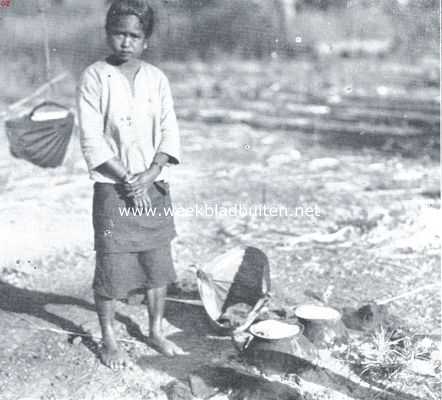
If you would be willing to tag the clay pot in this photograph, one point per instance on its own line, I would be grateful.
(282, 354)
(322, 325)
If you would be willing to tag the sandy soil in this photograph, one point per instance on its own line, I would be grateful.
(383, 202)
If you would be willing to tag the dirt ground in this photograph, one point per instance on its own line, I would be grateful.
(383, 200)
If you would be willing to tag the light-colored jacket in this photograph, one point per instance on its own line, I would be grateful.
(133, 126)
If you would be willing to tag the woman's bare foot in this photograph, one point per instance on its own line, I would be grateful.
(112, 357)
(111, 354)
(165, 346)
(156, 299)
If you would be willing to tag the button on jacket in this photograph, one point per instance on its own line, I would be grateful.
(133, 126)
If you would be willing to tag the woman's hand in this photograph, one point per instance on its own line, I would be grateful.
(142, 202)
(137, 185)
(139, 197)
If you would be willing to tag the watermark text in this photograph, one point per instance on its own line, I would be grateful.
(215, 210)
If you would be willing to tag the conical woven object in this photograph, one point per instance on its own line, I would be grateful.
(41, 139)
(240, 276)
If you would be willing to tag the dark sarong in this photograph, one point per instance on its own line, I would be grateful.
(127, 276)
(119, 229)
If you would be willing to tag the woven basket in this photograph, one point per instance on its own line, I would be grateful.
(242, 275)
(43, 142)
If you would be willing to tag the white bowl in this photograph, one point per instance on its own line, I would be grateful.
(274, 330)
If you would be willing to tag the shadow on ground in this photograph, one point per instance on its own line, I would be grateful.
(33, 303)
(194, 336)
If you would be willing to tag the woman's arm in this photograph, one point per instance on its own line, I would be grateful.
(114, 169)
(94, 146)
(170, 138)
(168, 151)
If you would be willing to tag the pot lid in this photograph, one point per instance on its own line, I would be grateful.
(317, 312)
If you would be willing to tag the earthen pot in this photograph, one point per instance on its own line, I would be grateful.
(322, 325)
(281, 349)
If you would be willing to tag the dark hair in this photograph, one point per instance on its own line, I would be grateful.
(139, 8)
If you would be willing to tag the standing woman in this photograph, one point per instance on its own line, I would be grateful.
(128, 135)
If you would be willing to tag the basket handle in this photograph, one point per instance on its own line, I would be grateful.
(47, 103)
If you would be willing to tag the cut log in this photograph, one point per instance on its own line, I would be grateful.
(356, 48)
(428, 105)
(377, 122)
(329, 127)
(387, 117)
(404, 101)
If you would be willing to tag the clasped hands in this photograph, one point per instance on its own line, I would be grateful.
(136, 188)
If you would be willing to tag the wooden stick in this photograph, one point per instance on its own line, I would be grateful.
(66, 332)
(404, 191)
(252, 315)
(198, 303)
(401, 296)
(62, 331)
(42, 10)
(36, 93)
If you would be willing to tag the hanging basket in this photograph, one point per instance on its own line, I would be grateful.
(235, 282)
(41, 138)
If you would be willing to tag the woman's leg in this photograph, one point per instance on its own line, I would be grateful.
(110, 354)
(156, 300)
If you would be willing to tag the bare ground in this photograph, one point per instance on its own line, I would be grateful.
(384, 199)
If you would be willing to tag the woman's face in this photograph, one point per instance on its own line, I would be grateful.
(126, 38)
